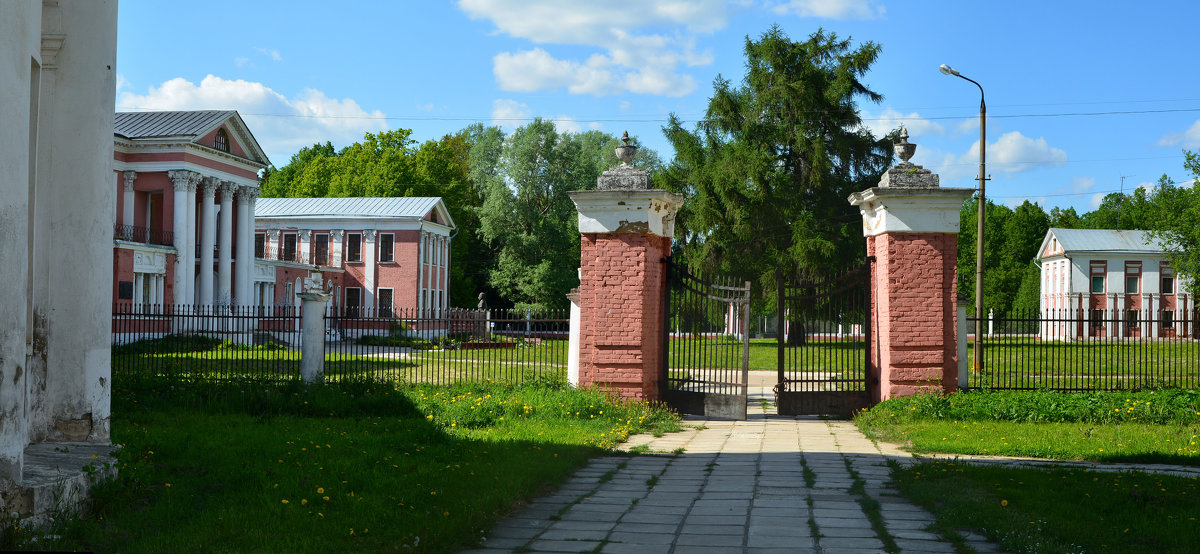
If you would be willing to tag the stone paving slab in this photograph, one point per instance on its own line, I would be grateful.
(736, 486)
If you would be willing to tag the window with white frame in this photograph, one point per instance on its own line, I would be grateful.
(387, 245)
(260, 245)
(321, 249)
(288, 252)
(353, 300)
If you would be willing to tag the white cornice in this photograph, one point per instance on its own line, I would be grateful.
(151, 167)
(175, 144)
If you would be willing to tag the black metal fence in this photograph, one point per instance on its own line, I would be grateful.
(143, 234)
(1085, 350)
(446, 346)
(207, 342)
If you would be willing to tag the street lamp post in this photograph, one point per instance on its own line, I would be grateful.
(981, 208)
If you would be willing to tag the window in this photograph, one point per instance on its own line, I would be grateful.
(1167, 318)
(353, 301)
(387, 243)
(289, 248)
(221, 141)
(1131, 284)
(353, 247)
(260, 245)
(321, 249)
(1131, 319)
(1168, 278)
(1097, 273)
(1133, 277)
(1097, 317)
(384, 302)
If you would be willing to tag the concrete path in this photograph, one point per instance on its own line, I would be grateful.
(768, 484)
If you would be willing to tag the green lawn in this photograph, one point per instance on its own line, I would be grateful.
(1058, 510)
(236, 466)
(1052, 510)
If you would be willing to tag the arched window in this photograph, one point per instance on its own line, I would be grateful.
(221, 142)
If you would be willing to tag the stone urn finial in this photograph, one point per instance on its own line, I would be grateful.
(905, 149)
(626, 151)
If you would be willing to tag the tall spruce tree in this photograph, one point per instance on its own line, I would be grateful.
(768, 171)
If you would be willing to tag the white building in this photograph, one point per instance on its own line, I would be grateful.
(58, 61)
(1111, 284)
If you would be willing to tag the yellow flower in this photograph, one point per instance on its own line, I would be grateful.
(303, 501)
(1003, 502)
(284, 501)
(167, 484)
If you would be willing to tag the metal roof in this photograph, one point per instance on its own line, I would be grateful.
(134, 125)
(1106, 240)
(408, 207)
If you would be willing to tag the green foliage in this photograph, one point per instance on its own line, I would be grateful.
(1166, 406)
(767, 172)
(1028, 298)
(1177, 222)
(169, 344)
(527, 219)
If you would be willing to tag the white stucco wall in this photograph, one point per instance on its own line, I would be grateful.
(59, 62)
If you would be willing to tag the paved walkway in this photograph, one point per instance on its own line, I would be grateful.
(768, 484)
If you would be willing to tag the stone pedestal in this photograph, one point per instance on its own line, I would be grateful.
(911, 226)
(312, 334)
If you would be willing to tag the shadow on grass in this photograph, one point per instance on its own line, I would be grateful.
(254, 466)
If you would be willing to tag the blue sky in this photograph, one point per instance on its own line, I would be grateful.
(1078, 93)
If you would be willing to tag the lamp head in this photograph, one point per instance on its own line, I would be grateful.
(947, 70)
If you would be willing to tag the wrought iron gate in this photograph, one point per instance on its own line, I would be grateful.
(706, 345)
(824, 343)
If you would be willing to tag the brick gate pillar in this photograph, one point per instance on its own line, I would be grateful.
(911, 226)
(626, 233)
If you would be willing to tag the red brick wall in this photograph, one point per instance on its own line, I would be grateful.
(622, 281)
(914, 347)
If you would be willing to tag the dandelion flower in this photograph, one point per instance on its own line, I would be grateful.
(284, 501)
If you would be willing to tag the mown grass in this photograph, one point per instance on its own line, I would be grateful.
(1058, 510)
(1156, 426)
(1100, 364)
(352, 466)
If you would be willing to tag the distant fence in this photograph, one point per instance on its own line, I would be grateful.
(446, 346)
(222, 342)
(1085, 350)
(263, 343)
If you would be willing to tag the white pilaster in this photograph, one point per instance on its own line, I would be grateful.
(272, 244)
(368, 252)
(225, 245)
(208, 239)
(190, 271)
(127, 209)
(421, 250)
(302, 255)
(335, 251)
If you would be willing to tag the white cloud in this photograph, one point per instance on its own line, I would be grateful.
(270, 53)
(1011, 153)
(1097, 199)
(624, 60)
(241, 61)
(122, 82)
(596, 126)
(281, 125)
(830, 9)
(427, 107)
(509, 114)
(1080, 185)
(887, 120)
(1189, 138)
(566, 124)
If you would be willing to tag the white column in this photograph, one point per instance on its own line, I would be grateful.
(182, 179)
(245, 250)
(446, 298)
(335, 251)
(1149, 316)
(127, 209)
(302, 255)
(368, 253)
(208, 239)
(225, 245)
(138, 300)
(190, 246)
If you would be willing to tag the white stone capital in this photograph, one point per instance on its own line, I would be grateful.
(130, 176)
(910, 210)
(246, 194)
(183, 179)
(337, 234)
(208, 186)
(627, 211)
